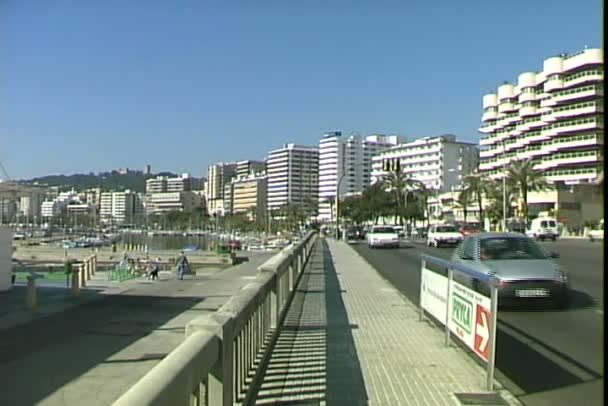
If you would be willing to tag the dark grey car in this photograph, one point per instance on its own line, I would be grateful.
(524, 269)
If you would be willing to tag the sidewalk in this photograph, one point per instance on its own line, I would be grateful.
(351, 338)
(90, 350)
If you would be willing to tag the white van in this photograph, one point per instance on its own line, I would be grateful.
(543, 228)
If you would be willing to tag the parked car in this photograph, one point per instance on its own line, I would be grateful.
(543, 228)
(443, 234)
(470, 228)
(597, 234)
(235, 245)
(355, 233)
(382, 236)
(524, 269)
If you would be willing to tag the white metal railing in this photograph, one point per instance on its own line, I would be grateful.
(221, 360)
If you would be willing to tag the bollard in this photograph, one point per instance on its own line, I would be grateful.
(31, 293)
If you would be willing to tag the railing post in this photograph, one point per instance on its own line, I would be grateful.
(220, 385)
(83, 273)
(75, 280)
(448, 307)
(422, 268)
(492, 343)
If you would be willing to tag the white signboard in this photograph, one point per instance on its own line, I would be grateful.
(469, 318)
(434, 292)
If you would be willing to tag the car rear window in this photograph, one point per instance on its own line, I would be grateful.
(446, 229)
(549, 223)
(384, 230)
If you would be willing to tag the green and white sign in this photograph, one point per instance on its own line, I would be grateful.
(464, 306)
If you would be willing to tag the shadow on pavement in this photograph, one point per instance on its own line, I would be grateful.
(314, 360)
(41, 356)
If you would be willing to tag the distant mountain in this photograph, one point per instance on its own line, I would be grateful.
(114, 180)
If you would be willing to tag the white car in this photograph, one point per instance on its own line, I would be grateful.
(443, 234)
(383, 236)
(597, 234)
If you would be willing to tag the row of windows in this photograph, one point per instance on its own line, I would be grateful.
(581, 137)
(578, 171)
(566, 155)
(579, 90)
(568, 123)
(573, 107)
(590, 72)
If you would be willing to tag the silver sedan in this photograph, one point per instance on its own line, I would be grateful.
(524, 269)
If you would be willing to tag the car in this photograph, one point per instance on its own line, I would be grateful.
(235, 245)
(470, 228)
(597, 234)
(543, 228)
(443, 234)
(523, 267)
(355, 233)
(383, 236)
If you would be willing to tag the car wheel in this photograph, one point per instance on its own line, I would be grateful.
(562, 302)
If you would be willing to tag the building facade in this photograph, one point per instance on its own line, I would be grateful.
(120, 207)
(345, 166)
(293, 178)
(218, 176)
(438, 162)
(249, 196)
(555, 117)
(163, 184)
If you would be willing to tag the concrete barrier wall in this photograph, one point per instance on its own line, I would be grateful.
(222, 358)
(6, 253)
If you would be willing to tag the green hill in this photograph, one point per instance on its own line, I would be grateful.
(115, 181)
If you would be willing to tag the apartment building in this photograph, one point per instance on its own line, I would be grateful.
(246, 168)
(293, 177)
(439, 162)
(345, 166)
(555, 117)
(249, 196)
(163, 184)
(218, 176)
(186, 201)
(120, 207)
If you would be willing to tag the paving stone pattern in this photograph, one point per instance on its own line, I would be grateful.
(351, 338)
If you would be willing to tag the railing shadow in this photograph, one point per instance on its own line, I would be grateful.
(314, 360)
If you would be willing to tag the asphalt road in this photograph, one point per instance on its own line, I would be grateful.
(544, 356)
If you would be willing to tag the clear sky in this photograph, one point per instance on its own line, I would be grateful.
(94, 85)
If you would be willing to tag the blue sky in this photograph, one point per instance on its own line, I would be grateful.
(90, 85)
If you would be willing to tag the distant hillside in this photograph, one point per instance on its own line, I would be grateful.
(113, 180)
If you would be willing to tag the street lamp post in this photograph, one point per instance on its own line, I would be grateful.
(336, 203)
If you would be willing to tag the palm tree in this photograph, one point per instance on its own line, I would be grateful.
(398, 183)
(465, 199)
(477, 185)
(525, 178)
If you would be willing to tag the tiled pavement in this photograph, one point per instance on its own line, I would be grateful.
(350, 338)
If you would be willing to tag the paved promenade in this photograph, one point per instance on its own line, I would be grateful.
(90, 350)
(351, 339)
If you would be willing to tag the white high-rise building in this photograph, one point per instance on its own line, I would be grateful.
(218, 176)
(120, 207)
(439, 162)
(293, 178)
(555, 117)
(346, 162)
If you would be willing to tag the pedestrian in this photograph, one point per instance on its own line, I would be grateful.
(154, 268)
(182, 265)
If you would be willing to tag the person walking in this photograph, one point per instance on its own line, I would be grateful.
(182, 265)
